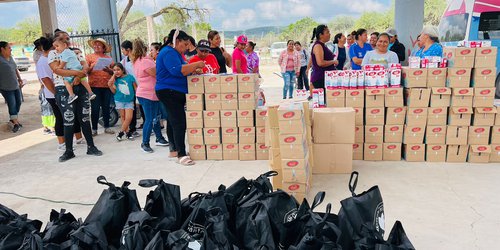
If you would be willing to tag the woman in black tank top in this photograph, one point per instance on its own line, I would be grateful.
(223, 58)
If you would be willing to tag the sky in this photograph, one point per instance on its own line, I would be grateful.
(223, 14)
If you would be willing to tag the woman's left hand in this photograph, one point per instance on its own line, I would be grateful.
(21, 83)
(108, 70)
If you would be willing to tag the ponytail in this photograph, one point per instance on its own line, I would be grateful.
(314, 35)
(318, 31)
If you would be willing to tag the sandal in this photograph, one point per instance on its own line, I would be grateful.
(185, 161)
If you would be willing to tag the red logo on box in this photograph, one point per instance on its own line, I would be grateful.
(290, 139)
(393, 92)
(463, 110)
(465, 52)
(418, 111)
(263, 147)
(391, 147)
(482, 148)
(229, 79)
(486, 51)
(292, 164)
(263, 113)
(357, 110)
(487, 109)
(416, 147)
(197, 146)
(246, 78)
(228, 113)
(195, 80)
(437, 130)
(288, 115)
(375, 111)
(376, 91)
(479, 130)
(246, 96)
(486, 72)
(485, 92)
(246, 130)
(497, 148)
(355, 146)
(193, 131)
(394, 129)
(336, 93)
(416, 130)
(246, 147)
(210, 113)
(357, 129)
(355, 93)
(245, 113)
(263, 130)
(461, 72)
(212, 96)
(212, 79)
(294, 187)
(442, 90)
(192, 97)
(437, 72)
(463, 91)
(214, 147)
(229, 96)
(373, 129)
(193, 114)
(437, 111)
(372, 146)
(229, 130)
(211, 131)
(418, 72)
(436, 148)
(230, 146)
(398, 110)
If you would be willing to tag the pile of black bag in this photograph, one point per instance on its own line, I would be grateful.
(246, 215)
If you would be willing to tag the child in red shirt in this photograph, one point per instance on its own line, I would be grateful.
(211, 64)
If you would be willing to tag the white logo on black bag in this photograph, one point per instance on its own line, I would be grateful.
(290, 215)
(379, 218)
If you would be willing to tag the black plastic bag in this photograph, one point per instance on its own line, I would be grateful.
(255, 231)
(20, 232)
(180, 240)
(112, 209)
(159, 241)
(7, 214)
(59, 227)
(164, 203)
(138, 231)
(398, 240)
(189, 203)
(87, 236)
(281, 208)
(217, 234)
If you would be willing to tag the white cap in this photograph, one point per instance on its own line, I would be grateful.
(432, 31)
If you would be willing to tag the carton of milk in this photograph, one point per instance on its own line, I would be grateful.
(353, 79)
(414, 62)
(361, 79)
(345, 79)
(332, 79)
(382, 79)
(395, 78)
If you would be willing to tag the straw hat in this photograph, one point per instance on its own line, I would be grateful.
(107, 47)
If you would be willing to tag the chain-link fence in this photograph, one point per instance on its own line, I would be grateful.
(81, 39)
(72, 15)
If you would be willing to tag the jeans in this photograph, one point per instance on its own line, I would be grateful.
(78, 110)
(174, 102)
(151, 122)
(289, 78)
(13, 99)
(102, 100)
(303, 79)
(59, 128)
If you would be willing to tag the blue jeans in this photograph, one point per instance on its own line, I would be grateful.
(151, 122)
(289, 78)
(13, 99)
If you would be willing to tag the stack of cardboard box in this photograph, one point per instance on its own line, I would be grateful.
(223, 120)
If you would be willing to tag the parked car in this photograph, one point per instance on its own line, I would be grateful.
(277, 48)
(22, 62)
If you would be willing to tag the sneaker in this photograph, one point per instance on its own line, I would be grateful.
(109, 131)
(92, 150)
(130, 136)
(161, 142)
(47, 131)
(80, 141)
(136, 134)
(16, 128)
(66, 156)
(92, 96)
(72, 98)
(146, 148)
(120, 135)
(61, 147)
(94, 132)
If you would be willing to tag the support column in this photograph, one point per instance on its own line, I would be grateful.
(151, 29)
(103, 16)
(409, 19)
(48, 16)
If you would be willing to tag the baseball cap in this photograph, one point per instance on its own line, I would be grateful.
(203, 45)
(392, 32)
(242, 39)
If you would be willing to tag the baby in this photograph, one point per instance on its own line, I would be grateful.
(69, 60)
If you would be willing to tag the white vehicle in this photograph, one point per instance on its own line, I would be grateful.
(277, 48)
(22, 62)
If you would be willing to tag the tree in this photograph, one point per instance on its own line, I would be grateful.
(343, 24)
(26, 31)
(300, 30)
(376, 21)
(433, 10)
(135, 31)
(199, 30)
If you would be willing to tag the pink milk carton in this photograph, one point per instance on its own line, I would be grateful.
(414, 62)
(332, 79)
(321, 96)
(315, 98)
(395, 78)
(353, 79)
(382, 79)
(370, 79)
(345, 79)
(361, 79)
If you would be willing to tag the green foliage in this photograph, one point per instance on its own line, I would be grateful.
(342, 24)
(433, 10)
(25, 32)
(83, 25)
(137, 31)
(199, 30)
(300, 30)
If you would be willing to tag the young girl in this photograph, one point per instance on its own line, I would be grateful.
(124, 87)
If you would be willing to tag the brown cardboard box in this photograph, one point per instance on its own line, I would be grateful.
(436, 77)
(392, 152)
(274, 158)
(440, 97)
(228, 118)
(245, 118)
(333, 125)
(197, 152)
(195, 136)
(393, 133)
(479, 135)
(247, 101)
(194, 102)
(457, 153)
(486, 57)
(295, 175)
(457, 135)
(291, 112)
(355, 98)
(261, 151)
(213, 101)
(460, 116)
(229, 84)
(332, 158)
(414, 78)
(247, 83)
(484, 77)
(374, 134)
(375, 98)
(495, 135)
(211, 119)
(483, 97)
(229, 101)
(214, 152)
(479, 153)
(292, 126)
(495, 153)
(273, 138)
(373, 152)
(293, 151)
(247, 135)
(414, 152)
(497, 117)
(357, 151)
(212, 84)
(416, 116)
(458, 77)
(395, 116)
(212, 136)
(195, 84)
(394, 97)
(459, 56)
(414, 134)
(417, 98)
(260, 134)
(335, 98)
(297, 164)
(277, 181)
(484, 116)
(230, 135)
(194, 119)
(247, 152)
(437, 116)
(230, 152)
(296, 189)
(359, 135)
(435, 135)
(436, 153)
(260, 119)
(374, 116)
(359, 116)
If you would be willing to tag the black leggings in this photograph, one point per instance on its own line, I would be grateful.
(102, 100)
(59, 128)
(133, 123)
(174, 102)
(303, 80)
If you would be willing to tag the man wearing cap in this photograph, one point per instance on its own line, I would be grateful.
(395, 45)
(203, 54)
(240, 64)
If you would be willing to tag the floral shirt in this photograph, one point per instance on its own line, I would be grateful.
(97, 78)
(253, 61)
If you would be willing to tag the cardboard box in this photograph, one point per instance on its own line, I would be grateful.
(435, 135)
(197, 152)
(436, 77)
(393, 133)
(495, 135)
(394, 97)
(211, 119)
(231, 152)
(260, 134)
(375, 98)
(274, 158)
(296, 189)
(294, 175)
(486, 57)
(414, 134)
(212, 84)
(459, 116)
(194, 119)
(484, 117)
(229, 84)
(213, 101)
(195, 136)
(495, 153)
(195, 84)
(214, 152)
(247, 83)
(417, 98)
(437, 116)
(359, 116)
(416, 116)
(229, 101)
(357, 151)
(457, 153)
(459, 56)
(374, 134)
(246, 135)
(355, 98)
(290, 112)
(479, 153)
(359, 134)
(414, 78)
(277, 181)
(245, 118)
(332, 158)
(335, 98)
(333, 125)
(373, 152)
(414, 152)
(230, 135)
(292, 126)
(293, 146)
(212, 136)
(375, 116)
(440, 97)
(436, 153)
(228, 118)
(247, 101)
(296, 164)
(484, 77)
(273, 138)
(457, 135)
(247, 152)
(260, 116)
(483, 97)
(395, 116)
(458, 77)
(392, 152)
(497, 117)
(194, 102)
(261, 152)
(479, 135)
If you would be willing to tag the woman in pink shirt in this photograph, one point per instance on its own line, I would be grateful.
(240, 64)
(145, 75)
(289, 62)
